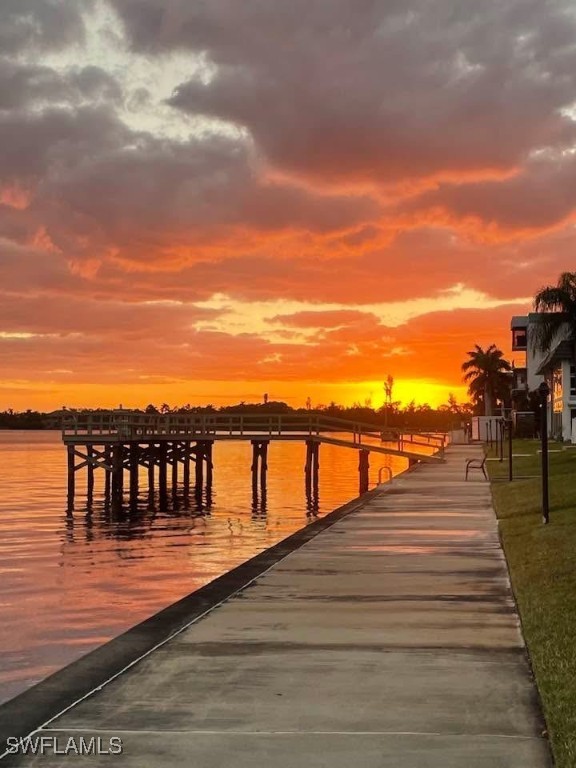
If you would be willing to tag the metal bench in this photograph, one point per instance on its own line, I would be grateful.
(476, 464)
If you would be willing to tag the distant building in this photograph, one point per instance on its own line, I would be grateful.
(557, 366)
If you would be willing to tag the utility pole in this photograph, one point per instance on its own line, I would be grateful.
(388, 386)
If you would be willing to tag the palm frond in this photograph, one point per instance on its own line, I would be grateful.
(474, 375)
(567, 282)
(551, 327)
(552, 299)
(556, 305)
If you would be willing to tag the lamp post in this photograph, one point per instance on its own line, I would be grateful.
(544, 391)
(510, 472)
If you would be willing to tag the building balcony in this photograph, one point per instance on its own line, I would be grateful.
(519, 328)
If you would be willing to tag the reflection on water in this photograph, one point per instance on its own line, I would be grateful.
(71, 581)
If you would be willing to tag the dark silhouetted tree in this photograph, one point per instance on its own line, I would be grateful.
(486, 376)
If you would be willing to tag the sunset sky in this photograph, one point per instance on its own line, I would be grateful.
(205, 200)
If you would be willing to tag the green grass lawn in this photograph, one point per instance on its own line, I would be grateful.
(542, 562)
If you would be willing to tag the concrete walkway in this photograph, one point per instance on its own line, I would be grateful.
(390, 640)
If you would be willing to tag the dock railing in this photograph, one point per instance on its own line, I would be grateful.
(135, 425)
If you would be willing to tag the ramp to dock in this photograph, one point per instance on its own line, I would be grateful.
(389, 640)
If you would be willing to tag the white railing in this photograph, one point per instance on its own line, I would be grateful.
(133, 425)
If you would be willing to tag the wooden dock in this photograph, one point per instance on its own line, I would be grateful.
(120, 442)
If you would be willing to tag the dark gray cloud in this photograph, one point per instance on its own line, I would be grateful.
(153, 189)
(95, 84)
(39, 146)
(41, 24)
(341, 89)
(97, 185)
(24, 86)
(329, 90)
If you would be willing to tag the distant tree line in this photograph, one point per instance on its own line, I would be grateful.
(24, 420)
(412, 416)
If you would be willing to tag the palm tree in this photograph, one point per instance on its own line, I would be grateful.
(485, 373)
(557, 305)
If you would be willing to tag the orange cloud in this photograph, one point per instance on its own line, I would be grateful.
(189, 214)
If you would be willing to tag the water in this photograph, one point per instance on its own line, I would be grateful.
(72, 582)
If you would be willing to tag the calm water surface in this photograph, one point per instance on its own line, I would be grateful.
(70, 582)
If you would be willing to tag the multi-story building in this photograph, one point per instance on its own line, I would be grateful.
(557, 367)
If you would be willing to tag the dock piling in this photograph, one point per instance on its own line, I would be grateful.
(90, 475)
(134, 459)
(162, 474)
(151, 458)
(186, 472)
(117, 475)
(107, 472)
(175, 455)
(311, 472)
(263, 466)
(259, 468)
(71, 478)
(199, 457)
(363, 470)
(209, 473)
